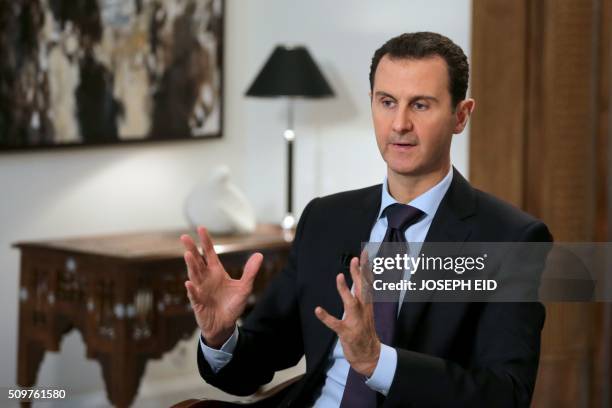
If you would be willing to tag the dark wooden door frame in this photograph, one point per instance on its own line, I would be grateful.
(541, 139)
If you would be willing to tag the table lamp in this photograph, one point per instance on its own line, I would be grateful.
(290, 72)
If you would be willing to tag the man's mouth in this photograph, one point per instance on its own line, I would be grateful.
(403, 146)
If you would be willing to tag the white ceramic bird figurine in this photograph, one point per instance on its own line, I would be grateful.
(219, 205)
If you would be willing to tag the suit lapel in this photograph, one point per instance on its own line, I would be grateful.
(449, 226)
(360, 218)
(357, 221)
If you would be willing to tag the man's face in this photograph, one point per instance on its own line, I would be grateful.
(412, 115)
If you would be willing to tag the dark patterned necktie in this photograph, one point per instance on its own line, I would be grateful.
(399, 217)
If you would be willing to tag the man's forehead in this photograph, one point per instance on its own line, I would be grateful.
(422, 76)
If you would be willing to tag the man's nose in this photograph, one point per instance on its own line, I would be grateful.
(402, 122)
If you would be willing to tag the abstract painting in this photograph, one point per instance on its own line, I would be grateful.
(83, 72)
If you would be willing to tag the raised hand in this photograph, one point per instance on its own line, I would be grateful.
(217, 299)
(356, 331)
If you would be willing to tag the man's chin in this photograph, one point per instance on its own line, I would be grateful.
(412, 169)
(405, 171)
(412, 172)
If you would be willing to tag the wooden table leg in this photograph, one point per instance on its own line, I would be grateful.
(30, 355)
(30, 350)
(122, 375)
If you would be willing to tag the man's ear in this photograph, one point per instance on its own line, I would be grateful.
(462, 114)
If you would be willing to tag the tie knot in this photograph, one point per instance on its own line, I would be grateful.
(401, 216)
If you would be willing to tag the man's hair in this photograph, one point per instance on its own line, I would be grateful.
(423, 45)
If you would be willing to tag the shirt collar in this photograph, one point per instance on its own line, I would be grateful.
(427, 202)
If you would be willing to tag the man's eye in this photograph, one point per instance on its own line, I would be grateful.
(419, 106)
(387, 103)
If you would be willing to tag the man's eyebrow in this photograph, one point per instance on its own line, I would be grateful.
(426, 97)
(384, 94)
(412, 100)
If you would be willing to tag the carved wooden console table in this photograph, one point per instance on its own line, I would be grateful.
(124, 293)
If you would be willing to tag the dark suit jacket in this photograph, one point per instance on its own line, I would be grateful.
(449, 354)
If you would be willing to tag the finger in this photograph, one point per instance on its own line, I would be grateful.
(194, 271)
(345, 293)
(210, 256)
(366, 277)
(363, 258)
(191, 247)
(191, 293)
(328, 320)
(251, 268)
(356, 276)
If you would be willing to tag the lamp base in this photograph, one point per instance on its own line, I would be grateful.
(288, 222)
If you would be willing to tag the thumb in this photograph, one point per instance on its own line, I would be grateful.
(251, 268)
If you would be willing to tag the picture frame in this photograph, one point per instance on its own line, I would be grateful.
(103, 72)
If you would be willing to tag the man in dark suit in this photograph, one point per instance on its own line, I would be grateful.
(436, 354)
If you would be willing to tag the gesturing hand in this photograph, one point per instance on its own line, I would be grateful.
(356, 331)
(217, 299)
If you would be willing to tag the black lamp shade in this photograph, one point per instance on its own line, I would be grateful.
(290, 71)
